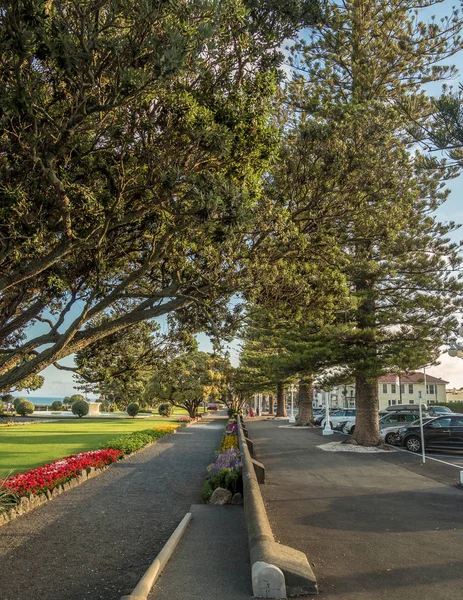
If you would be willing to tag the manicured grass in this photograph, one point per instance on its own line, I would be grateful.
(27, 446)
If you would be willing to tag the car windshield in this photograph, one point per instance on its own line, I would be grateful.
(417, 422)
(441, 409)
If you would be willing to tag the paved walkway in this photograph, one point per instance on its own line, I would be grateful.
(372, 526)
(211, 561)
(95, 541)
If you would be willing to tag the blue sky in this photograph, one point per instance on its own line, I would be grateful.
(60, 383)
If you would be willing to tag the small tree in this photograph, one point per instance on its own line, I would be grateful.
(133, 409)
(57, 405)
(80, 408)
(24, 408)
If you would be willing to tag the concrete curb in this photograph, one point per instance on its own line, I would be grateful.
(298, 575)
(143, 588)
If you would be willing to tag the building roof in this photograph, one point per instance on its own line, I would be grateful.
(410, 378)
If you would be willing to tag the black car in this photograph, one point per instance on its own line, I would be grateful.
(441, 433)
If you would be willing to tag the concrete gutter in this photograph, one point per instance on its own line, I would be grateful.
(266, 554)
(143, 589)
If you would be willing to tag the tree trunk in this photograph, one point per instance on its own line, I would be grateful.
(305, 416)
(281, 406)
(366, 431)
(270, 405)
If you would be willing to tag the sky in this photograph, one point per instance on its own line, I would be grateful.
(61, 383)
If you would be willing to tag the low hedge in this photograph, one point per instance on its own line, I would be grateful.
(131, 442)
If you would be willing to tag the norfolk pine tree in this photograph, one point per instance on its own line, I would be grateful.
(359, 89)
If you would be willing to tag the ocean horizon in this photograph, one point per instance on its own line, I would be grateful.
(42, 400)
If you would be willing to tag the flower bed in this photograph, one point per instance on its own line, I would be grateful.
(229, 441)
(226, 471)
(47, 477)
(42, 480)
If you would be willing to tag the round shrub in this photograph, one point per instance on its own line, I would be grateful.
(133, 409)
(25, 408)
(165, 410)
(16, 401)
(57, 405)
(80, 408)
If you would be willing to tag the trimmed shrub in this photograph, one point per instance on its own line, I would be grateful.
(133, 409)
(25, 408)
(16, 401)
(134, 441)
(57, 405)
(166, 409)
(80, 408)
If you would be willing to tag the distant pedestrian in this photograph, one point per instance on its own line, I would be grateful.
(252, 413)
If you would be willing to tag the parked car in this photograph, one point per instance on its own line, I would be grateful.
(403, 407)
(389, 422)
(440, 433)
(439, 410)
(391, 434)
(339, 416)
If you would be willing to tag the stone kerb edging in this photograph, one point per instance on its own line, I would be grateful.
(278, 571)
(28, 503)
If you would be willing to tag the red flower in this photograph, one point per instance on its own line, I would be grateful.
(47, 477)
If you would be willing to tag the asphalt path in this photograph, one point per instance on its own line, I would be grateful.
(373, 526)
(95, 541)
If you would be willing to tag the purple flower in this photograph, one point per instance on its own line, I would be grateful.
(230, 459)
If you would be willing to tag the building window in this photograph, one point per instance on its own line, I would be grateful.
(430, 389)
(412, 402)
(393, 388)
(402, 388)
(410, 388)
(399, 401)
(384, 388)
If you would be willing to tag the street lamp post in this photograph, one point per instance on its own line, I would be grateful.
(292, 418)
(327, 429)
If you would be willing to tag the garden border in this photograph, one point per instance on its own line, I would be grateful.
(265, 553)
(28, 503)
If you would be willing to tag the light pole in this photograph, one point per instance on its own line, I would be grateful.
(292, 418)
(260, 405)
(327, 429)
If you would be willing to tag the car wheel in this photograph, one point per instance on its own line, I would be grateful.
(390, 439)
(352, 429)
(413, 444)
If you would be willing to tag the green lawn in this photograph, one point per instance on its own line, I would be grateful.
(26, 446)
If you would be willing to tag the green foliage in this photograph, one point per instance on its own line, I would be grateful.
(133, 409)
(75, 398)
(7, 499)
(16, 401)
(224, 478)
(25, 407)
(134, 441)
(134, 137)
(57, 405)
(165, 409)
(80, 408)
(187, 380)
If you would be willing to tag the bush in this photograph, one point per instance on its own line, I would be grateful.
(25, 408)
(80, 408)
(165, 410)
(57, 405)
(134, 441)
(224, 478)
(16, 401)
(133, 409)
